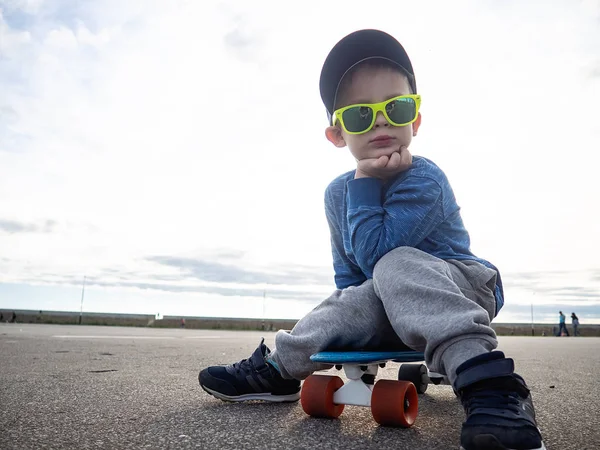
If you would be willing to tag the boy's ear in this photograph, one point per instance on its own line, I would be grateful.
(416, 124)
(334, 135)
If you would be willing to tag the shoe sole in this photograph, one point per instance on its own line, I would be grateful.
(489, 442)
(246, 397)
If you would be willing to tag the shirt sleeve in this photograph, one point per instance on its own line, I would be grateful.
(409, 212)
(346, 272)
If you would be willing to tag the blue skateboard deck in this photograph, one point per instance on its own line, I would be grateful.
(366, 357)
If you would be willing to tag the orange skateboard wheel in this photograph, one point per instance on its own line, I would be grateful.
(316, 396)
(394, 403)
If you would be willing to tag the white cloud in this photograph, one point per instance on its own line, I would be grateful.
(182, 128)
(25, 6)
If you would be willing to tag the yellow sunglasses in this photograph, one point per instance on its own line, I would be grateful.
(360, 118)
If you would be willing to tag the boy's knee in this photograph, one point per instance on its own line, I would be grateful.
(405, 260)
(389, 263)
(401, 257)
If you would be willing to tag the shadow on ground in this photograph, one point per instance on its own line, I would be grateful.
(216, 424)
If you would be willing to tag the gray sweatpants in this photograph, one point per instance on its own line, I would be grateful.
(441, 307)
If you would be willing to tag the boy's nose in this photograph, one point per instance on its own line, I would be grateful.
(380, 120)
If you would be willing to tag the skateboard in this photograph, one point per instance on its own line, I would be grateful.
(393, 402)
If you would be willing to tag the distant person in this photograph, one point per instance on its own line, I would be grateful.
(13, 319)
(1, 317)
(561, 324)
(182, 322)
(575, 323)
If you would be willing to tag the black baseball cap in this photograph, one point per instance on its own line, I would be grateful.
(353, 49)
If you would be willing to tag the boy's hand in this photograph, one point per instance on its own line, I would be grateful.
(384, 167)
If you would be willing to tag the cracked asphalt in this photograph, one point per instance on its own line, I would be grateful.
(110, 387)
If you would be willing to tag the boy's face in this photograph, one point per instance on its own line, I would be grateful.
(373, 85)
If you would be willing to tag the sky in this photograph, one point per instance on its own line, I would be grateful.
(173, 153)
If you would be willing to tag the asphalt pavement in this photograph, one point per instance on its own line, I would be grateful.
(91, 387)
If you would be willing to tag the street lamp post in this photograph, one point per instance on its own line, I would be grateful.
(532, 330)
(82, 294)
(263, 308)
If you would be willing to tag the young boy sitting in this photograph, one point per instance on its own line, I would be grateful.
(404, 271)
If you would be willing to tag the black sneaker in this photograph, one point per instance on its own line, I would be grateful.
(249, 379)
(497, 402)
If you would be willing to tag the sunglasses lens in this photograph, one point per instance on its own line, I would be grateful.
(357, 119)
(401, 111)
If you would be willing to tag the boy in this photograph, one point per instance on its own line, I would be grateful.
(404, 272)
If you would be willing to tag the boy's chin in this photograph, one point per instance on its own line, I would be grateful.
(369, 151)
(378, 152)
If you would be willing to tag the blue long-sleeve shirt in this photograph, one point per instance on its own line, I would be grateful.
(368, 218)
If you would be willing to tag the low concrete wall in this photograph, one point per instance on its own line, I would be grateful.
(72, 318)
(544, 329)
(142, 320)
(226, 323)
